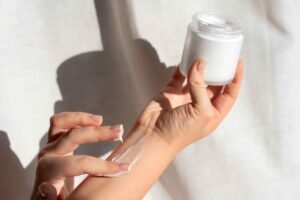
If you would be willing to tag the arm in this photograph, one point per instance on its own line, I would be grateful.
(177, 117)
(156, 156)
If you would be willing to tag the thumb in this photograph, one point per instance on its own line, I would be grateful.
(47, 191)
(197, 86)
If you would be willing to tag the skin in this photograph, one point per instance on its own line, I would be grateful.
(174, 119)
(57, 164)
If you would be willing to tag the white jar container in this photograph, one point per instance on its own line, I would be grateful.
(218, 41)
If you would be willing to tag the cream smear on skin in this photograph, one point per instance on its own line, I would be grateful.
(130, 156)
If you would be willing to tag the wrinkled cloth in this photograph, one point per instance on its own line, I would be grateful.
(110, 57)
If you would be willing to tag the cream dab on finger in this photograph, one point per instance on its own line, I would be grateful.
(121, 132)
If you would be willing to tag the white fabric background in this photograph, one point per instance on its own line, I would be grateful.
(110, 57)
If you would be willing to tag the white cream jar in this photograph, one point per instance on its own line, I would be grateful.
(218, 41)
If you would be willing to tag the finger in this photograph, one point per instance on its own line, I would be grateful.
(185, 89)
(70, 166)
(197, 86)
(224, 101)
(214, 91)
(68, 142)
(47, 191)
(67, 120)
(176, 80)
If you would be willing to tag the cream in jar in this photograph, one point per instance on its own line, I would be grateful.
(218, 41)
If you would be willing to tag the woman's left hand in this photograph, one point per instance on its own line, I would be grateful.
(56, 163)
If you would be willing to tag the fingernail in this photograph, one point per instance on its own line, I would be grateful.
(124, 169)
(117, 127)
(120, 129)
(200, 65)
(41, 191)
(96, 118)
(124, 166)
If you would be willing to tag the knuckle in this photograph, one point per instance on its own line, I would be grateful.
(54, 120)
(71, 137)
(208, 114)
(42, 153)
(41, 163)
(46, 150)
(109, 165)
(205, 113)
(83, 161)
(44, 165)
(78, 115)
(195, 82)
(49, 166)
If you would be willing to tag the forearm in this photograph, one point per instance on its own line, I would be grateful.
(156, 155)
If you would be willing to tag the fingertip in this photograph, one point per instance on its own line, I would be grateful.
(202, 61)
(98, 119)
(239, 72)
(194, 65)
(119, 129)
(114, 167)
(47, 191)
(201, 66)
(240, 65)
(118, 169)
(197, 68)
(240, 62)
(196, 73)
(41, 190)
(124, 166)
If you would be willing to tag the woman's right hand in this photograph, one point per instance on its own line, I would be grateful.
(56, 163)
(181, 114)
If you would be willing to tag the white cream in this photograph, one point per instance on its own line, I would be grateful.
(218, 41)
(131, 155)
(120, 136)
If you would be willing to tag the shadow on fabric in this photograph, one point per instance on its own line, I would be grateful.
(116, 82)
(13, 184)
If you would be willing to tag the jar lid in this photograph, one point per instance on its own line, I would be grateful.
(214, 24)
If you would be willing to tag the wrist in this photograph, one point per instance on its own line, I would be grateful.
(151, 139)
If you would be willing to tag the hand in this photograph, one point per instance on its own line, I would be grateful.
(183, 115)
(57, 165)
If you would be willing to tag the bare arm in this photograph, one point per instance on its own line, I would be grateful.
(156, 156)
(177, 117)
